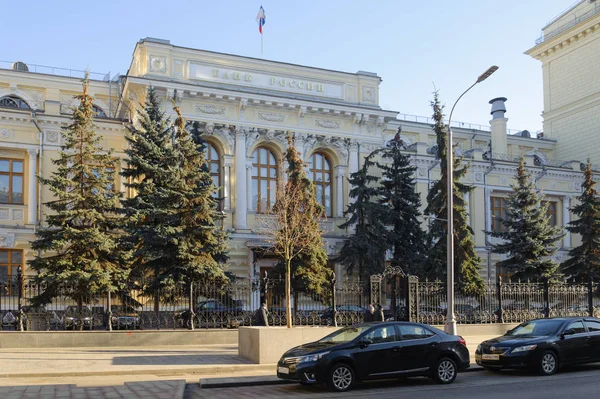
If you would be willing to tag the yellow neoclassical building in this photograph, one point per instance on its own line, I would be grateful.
(245, 106)
(569, 50)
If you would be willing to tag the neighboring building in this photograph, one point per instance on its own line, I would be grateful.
(569, 50)
(246, 106)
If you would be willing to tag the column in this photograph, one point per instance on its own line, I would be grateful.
(239, 220)
(227, 163)
(353, 158)
(249, 192)
(32, 195)
(566, 220)
(340, 172)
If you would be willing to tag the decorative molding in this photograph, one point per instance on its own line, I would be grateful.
(12, 153)
(4, 214)
(210, 109)
(158, 64)
(6, 134)
(36, 98)
(7, 240)
(271, 116)
(17, 214)
(327, 124)
(52, 136)
(68, 104)
(368, 94)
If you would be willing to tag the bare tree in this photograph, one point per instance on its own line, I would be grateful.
(292, 226)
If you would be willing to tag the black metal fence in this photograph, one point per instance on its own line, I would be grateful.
(233, 304)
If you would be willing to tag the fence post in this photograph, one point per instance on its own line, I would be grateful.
(333, 304)
(590, 297)
(265, 291)
(109, 313)
(191, 311)
(393, 305)
(20, 293)
(546, 298)
(499, 294)
(412, 304)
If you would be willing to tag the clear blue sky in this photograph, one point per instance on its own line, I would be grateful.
(413, 45)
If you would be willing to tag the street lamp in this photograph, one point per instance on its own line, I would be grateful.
(450, 326)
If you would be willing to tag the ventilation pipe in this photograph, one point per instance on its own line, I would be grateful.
(498, 123)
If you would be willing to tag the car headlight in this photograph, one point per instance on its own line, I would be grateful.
(525, 348)
(312, 358)
(479, 348)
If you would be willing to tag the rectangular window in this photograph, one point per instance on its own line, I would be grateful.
(11, 181)
(498, 209)
(551, 212)
(10, 260)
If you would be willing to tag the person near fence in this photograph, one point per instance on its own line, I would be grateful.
(378, 314)
(368, 315)
(261, 316)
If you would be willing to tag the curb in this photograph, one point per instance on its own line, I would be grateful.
(156, 372)
(238, 382)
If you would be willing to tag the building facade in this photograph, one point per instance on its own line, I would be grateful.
(246, 107)
(569, 51)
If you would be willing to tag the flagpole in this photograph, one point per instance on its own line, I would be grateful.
(261, 45)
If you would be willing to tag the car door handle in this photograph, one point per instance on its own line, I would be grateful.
(434, 344)
(396, 349)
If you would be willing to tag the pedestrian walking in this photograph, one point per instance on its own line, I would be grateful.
(378, 314)
(368, 315)
(261, 316)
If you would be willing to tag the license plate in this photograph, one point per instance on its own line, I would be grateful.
(487, 356)
(283, 370)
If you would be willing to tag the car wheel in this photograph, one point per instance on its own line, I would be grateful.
(548, 363)
(445, 371)
(341, 377)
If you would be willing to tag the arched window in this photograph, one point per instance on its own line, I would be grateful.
(98, 112)
(13, 102)
(321, 175)
(214, 164)
(264, 179)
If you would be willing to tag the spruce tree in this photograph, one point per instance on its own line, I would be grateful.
(402, 205)
(466, 261)
(200, 246)
(148, 213)
(584, 261)
(364, 251)
(529, 240)
(80, 256)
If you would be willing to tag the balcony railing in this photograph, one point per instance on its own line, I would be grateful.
(48, 70)
(455, 124)
(576, 20)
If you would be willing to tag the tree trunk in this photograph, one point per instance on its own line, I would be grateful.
(288, 307)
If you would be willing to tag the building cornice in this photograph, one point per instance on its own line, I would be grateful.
(566, 39)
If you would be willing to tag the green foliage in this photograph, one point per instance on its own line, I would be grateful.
(170, 220)
(201, 250)
(584, 261)
(466, 261)
(79, 251)
(364, 251)
(402, 204)
(529, 240)
(148, 214)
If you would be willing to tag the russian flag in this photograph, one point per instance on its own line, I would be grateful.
(260, 19)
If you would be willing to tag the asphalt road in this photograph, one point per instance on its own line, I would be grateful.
(580, 382)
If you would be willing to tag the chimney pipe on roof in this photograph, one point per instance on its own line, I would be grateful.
(498, 123)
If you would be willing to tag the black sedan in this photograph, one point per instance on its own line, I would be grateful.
(374, 351)
(543, 345)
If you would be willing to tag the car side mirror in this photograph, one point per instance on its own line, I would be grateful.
(365, 342)
(568, 331)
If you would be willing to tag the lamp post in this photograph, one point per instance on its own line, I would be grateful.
(450, 326)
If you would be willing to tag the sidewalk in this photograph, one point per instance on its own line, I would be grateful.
(158, 361)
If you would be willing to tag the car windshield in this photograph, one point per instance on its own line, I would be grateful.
(346, 334)
(536, 328)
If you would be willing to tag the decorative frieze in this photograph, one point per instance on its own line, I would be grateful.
(368, 94)
(17, 215)
(4, 214)
(7, 240)
(6, 134)
(209, 109)
(271, 116)
(158, 64)
(327, 124)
